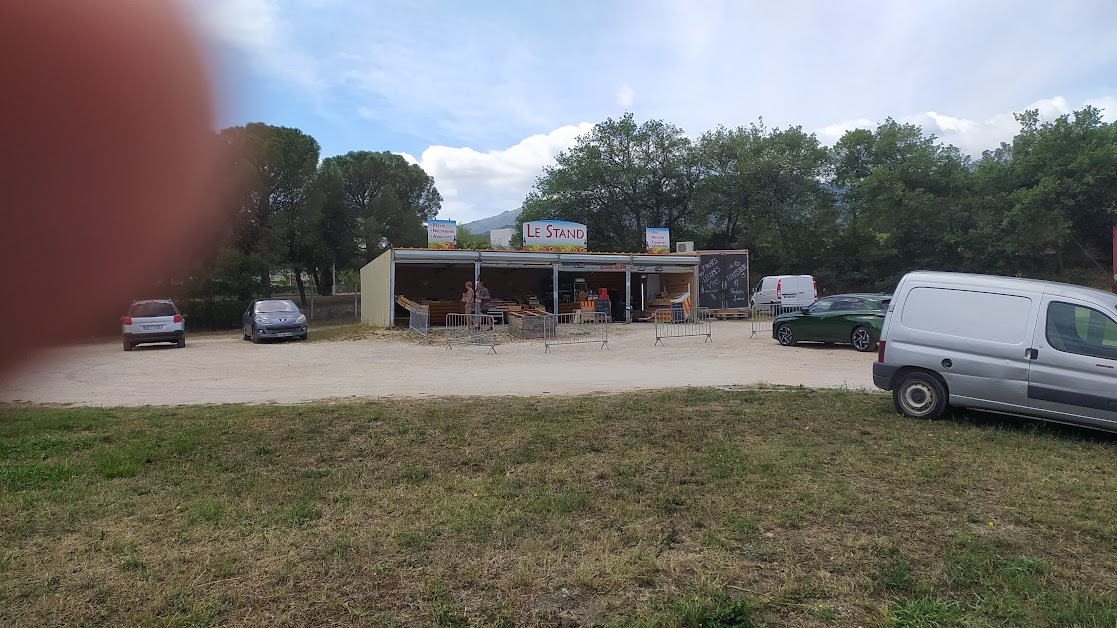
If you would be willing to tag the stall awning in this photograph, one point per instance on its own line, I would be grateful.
(517, 259)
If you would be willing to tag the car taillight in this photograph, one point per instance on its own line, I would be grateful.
(178, 318)
(127, 320)
(880, 351)
(779, 290)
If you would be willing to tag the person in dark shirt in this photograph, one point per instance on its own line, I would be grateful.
(484, 299)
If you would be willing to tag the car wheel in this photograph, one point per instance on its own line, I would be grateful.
(245, 334)
(861, 339)
(919, 396)
(785, 335)
(255, 338)
(128, 346)
(181, 343)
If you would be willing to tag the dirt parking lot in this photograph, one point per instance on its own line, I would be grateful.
(224, 369)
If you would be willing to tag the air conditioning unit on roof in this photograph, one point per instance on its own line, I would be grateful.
(684, 247)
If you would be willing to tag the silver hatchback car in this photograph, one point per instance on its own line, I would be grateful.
(153, 320)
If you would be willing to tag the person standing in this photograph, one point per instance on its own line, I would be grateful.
(468, 298)
(484, 299)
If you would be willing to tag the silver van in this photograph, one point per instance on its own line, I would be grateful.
(1016, 346)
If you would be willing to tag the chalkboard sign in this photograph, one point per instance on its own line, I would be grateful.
(711, 279)
(736, 279)
(723, 280)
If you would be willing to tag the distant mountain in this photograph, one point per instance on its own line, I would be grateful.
(500, 221)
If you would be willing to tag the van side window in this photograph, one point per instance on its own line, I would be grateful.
(1082, 330)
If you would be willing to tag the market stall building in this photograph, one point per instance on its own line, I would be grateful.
(557, 282)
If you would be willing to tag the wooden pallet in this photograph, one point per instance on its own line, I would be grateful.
(731, 314)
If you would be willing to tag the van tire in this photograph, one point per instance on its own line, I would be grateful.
(785, 336)
(862, 339)
(919, 395)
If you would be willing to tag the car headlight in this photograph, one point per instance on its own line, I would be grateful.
(301, 318)
(260, 320)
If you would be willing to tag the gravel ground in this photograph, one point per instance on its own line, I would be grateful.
(224, 369)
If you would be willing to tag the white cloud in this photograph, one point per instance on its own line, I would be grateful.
(1107, 105)
(257, 28)
(972, 136)
(480, 184)
(626, 96)
(834, 132)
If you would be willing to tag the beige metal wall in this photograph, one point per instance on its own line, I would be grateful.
(376, 291)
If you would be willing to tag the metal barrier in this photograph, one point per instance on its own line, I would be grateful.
(477, 330)
(419, 320)
(575, 328)
(763, 315)
(677, 323)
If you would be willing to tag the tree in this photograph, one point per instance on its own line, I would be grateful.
(469, 240)
(619, 179)
(278, 207)
(1061, 189)
(373, 201)
(902, 205)
(763, 190)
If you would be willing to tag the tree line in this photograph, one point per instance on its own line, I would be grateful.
(289, 210)
(857, 215)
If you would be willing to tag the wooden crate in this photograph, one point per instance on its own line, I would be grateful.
(526, 324)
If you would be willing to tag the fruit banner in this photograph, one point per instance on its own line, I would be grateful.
(659, 241)
(441, 234)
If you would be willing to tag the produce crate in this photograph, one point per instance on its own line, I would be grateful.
(526, 324)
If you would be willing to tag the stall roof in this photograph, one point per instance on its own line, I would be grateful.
(529, 258)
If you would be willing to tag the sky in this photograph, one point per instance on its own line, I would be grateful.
(484, 93)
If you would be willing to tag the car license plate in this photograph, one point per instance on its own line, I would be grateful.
(153, 327)
(285, 333)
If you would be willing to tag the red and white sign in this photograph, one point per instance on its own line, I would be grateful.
(554, 236)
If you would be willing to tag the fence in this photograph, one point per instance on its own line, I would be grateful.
(477, 330)
(763, 315)
(343, 303)
(419, 320)
(575, 328)
(678, 323)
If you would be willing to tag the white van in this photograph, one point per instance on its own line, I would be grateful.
(1015, 346)
(785, 291)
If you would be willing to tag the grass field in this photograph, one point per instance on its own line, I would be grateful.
(686, 508)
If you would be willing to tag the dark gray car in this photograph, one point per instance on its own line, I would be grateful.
(273, 318)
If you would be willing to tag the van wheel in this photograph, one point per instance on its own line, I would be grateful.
(862, 340)
(919, 396)
(785, 335)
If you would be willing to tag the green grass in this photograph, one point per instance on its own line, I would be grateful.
(684, 508)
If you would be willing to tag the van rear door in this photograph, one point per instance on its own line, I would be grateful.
(1073, 357)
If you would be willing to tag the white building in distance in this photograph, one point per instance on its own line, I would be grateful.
(500, 238)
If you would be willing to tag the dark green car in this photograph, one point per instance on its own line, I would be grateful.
(853, 318)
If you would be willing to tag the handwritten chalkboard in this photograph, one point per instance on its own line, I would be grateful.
(723, 280)
(711, 281)
(736, 279)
